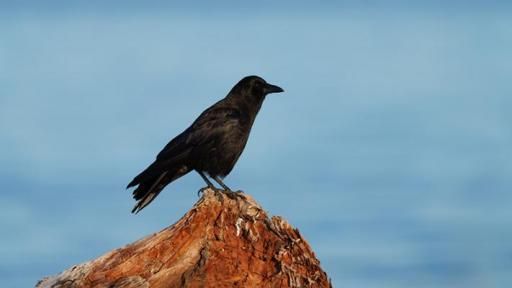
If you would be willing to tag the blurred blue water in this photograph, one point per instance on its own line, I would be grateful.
(390, 149)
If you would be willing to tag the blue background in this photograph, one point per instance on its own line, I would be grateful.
(390, 150)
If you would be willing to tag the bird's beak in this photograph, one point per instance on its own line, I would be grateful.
(269, 88)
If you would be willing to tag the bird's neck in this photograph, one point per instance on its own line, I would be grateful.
(249, 106)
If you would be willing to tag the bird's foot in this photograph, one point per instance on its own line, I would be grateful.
(201, 191)
(235, 194)
(218, 194)
(216, 191)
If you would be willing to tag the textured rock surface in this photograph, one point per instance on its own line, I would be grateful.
(220, 242)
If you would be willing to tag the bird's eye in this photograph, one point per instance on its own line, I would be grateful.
(258, 87)
(259, 83)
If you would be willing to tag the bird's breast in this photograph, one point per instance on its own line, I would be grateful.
(222, 156)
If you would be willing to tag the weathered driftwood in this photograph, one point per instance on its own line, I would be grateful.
(220, 242)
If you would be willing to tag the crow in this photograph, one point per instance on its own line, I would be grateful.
(210, 146)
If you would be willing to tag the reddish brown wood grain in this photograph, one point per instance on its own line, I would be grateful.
(220, 242)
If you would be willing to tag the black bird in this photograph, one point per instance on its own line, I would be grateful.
(210, 146)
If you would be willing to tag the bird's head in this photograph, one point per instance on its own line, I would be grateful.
(255, 87)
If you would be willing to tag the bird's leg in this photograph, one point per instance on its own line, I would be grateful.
(224, 186)
(210, 185)
(230, 192)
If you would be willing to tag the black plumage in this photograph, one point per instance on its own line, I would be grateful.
(211, 145)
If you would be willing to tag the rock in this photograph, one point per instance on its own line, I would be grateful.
(221, 242)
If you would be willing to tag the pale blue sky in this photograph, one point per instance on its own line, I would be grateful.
(390, 149)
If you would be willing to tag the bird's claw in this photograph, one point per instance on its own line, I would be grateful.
(201, 191)
(234, 194)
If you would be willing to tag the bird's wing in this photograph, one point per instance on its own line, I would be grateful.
(176, 147)
(204, 132)
(210, 124)
(171, 157)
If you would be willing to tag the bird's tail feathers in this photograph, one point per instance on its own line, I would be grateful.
(144, 196)
(153, 171)
(148, 189)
